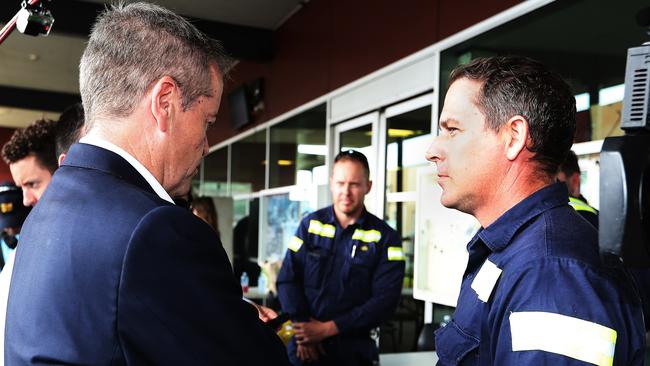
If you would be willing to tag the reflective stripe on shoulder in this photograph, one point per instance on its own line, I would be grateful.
(580, 205)
(295, 243)
(568, 336)
(366, 236)
(485, 280)
(395, 254)
(318, 228)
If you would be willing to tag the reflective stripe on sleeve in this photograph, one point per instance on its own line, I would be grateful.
(568, 336)
(579, 205)
(366, 236)
(318, 228)
(395, 254)
(295, 243)
(485, 280)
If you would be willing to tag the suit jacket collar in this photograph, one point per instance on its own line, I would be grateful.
(94, 157)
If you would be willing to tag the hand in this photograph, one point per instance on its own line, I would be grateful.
(314, 331)
(265, 314)
(310, 353)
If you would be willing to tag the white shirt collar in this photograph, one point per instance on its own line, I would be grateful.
(146, 174)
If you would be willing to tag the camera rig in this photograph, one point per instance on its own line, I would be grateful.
(624, 218)
(34, 18)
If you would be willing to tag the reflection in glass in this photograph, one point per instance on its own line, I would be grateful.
(298, 150)
(408, 137)
(248, 163)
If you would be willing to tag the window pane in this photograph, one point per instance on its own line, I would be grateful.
(298, 150)
(401, 217)
(248, 163)
(408, 137)
(245, 238)
(215, 173)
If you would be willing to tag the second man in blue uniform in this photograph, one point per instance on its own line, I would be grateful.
(342, 274)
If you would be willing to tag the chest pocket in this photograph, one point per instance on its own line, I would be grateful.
(360, 268)
(455, 347)
(315, 263)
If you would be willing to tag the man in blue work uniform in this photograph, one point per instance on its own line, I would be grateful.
(535, 291)
(342, 274)
(569, 173)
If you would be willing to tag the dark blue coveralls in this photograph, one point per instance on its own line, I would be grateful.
(535, 293)
(352, 276)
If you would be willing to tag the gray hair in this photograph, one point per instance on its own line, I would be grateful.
(133, 46)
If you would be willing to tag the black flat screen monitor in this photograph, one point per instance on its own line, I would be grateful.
(239, 110)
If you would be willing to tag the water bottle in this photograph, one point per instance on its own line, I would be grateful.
(261, 283)
(244, 282)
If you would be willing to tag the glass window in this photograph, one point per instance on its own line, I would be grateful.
(576, 39)
(248, 163)
(215, 173)
(245, 238)
(298, 150)
(401, 217)
(408, 137)
(590, 178)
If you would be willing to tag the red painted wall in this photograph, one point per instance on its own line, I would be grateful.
(330, 43)
(5, 135)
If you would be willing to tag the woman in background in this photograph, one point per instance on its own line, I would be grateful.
(203, 207)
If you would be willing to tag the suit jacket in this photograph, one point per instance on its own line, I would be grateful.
(109, 273)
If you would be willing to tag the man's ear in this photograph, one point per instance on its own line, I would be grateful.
(163, 96)
(516, 136)
(574, 184)
(61, 158)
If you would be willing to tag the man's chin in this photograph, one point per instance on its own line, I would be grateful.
(447, 201)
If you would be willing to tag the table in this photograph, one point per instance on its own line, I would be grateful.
(408, 359)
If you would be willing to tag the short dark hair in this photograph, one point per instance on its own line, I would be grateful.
(68, 128)
(205, 206)
(36, 139)
(516, 85)
(570, 164)
(354, 155)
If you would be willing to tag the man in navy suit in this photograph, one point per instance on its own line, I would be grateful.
(109, 270)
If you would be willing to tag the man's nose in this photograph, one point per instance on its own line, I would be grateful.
(434, 152)
(28, 199)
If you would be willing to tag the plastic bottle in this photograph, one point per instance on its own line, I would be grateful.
(261, 283)
(244, 282)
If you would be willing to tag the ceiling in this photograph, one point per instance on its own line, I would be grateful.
(39, 75)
